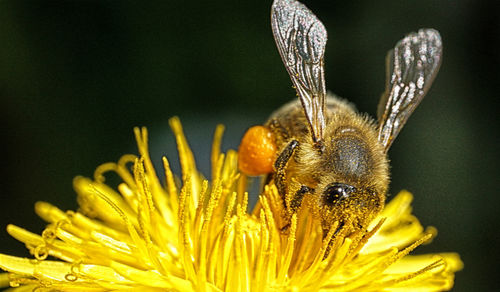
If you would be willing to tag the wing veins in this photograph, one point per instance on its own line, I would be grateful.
(301, 46)
(412, 66)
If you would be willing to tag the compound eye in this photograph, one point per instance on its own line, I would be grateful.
(337, 192)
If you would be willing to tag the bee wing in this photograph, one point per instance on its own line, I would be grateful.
(301, 40)
(411, 67)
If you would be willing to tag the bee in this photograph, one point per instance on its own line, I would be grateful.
(320, 152)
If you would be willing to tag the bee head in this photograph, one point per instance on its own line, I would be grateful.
(348, 205)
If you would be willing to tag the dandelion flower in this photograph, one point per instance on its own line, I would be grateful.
(191, 234)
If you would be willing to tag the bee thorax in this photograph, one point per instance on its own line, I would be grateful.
(350, 157)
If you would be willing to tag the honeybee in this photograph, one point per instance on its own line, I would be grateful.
(320, 152)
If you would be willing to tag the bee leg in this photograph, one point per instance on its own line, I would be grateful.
(295, 203)
(296, 200)
(280, 178)
(280, 165)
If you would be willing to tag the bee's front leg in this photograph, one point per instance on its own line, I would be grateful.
(280, 166)
(296, 200)
(293, 203)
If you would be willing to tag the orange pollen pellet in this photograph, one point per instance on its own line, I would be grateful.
(257, 151)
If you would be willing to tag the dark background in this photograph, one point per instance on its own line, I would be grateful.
(77, 76)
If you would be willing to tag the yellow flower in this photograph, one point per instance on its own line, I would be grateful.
(195, 234)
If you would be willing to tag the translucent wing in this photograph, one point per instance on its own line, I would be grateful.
(411, 67)
(301, 40)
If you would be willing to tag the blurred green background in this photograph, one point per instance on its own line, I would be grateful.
(77, 76)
